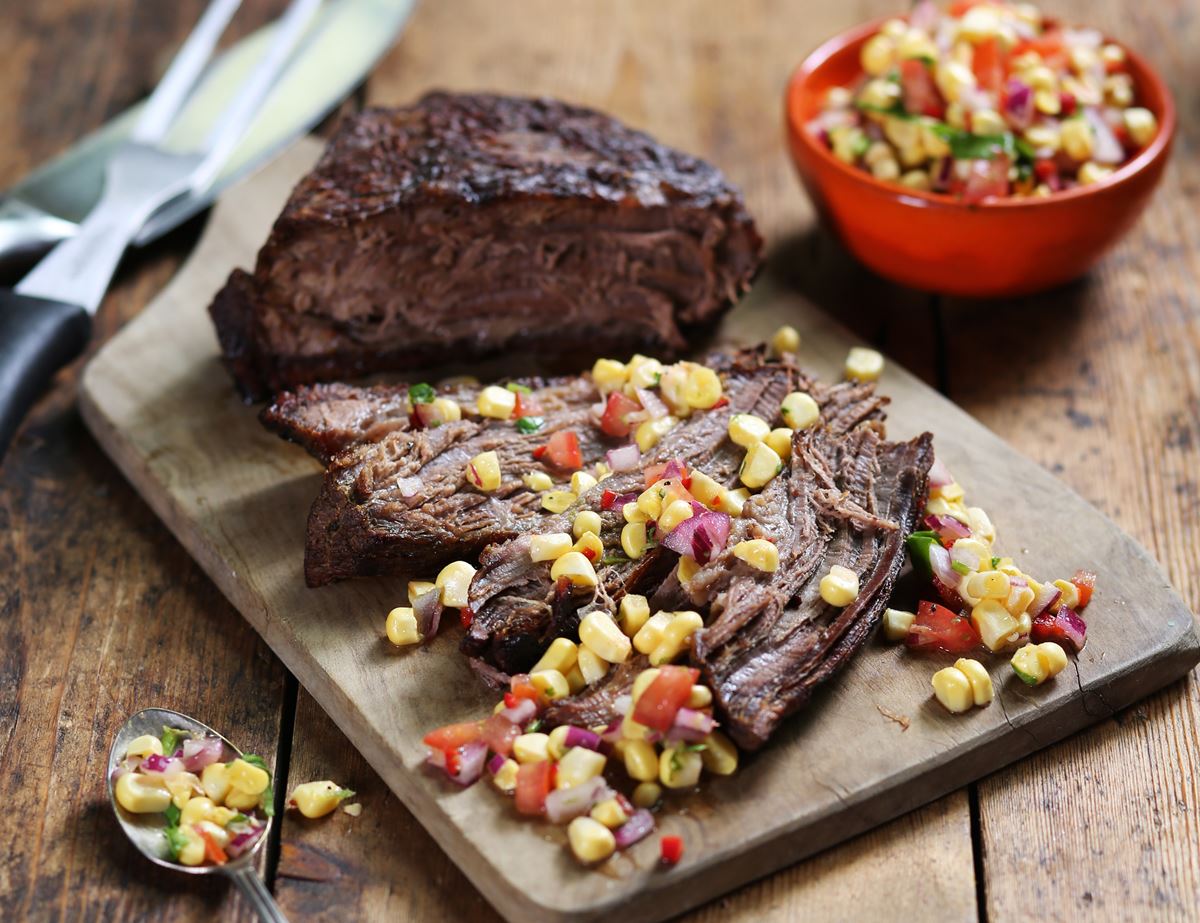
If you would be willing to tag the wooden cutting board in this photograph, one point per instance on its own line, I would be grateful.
(158, 401)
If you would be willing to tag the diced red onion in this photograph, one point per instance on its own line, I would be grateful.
(582, 737)
(612, 733)
(939, 563)
(623, 703)
(939, 474)
(691, 725)
(639, 826)
(947, 526)
(924, 16)
(243, 841)
(961, 555)
(1107, 149)
(1063, 625)
(974, 99)
(520, 714)
(828, 119)
(675, 470)
(471, 758)
(201, 752)
(408, 487)
(1018, 104)
(428, 611)
(1046, 597)
(563, 804)
(161, 765)
(700, 536)
(626, 458)
(651, 404)
(496, 762)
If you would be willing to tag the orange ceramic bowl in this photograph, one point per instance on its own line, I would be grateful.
(937, 242)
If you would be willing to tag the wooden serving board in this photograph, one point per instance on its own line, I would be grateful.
(237, 498)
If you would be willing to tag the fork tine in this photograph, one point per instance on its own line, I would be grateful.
(229, 130)
(185, 69)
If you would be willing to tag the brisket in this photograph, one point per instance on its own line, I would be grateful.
(473, 224)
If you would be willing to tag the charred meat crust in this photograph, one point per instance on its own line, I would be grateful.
(468, 225)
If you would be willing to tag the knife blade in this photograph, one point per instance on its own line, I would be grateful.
(344, 42)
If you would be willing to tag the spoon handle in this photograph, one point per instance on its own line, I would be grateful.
(256, 893)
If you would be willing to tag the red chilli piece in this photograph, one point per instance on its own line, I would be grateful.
(466, 616)
(540, 451)
(671, 849)
(1067, 102)
(607, 500)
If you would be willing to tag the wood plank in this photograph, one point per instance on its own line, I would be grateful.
(157, 400)
(1105, 390)
(103, 612)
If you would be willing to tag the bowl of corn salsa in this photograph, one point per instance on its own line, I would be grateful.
(978, 148)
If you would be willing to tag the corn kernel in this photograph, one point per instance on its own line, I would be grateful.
(549, 547)
(877, 55)
(249, 778)
(1141, 124)
(196, 810)
(649, 635)
(316, 799)
(760, 465)
(590, 840)
(241, 800)
(650, 501)
(896, 623)
(1019, 599)
(987, 122)
(575, 680)
(181, 787)
(418, 588)
(979, 23)
(649, 433)
(686, 569)
(581, 482)
(634, 611)
(1075, 135)
(780, 441)
(995, 624)
(886, 169)
(706, 490)
(679, 768)
(699, 697)
(759, 554)
(454, 581)
(192, 852)
(950, 492)
(734, 500)
(952, 78)
(1090, 173)
(633, 539)
(1036, 663)
(592, 667)
(745, 429)
(977, 675)
(609, 375)
(719, 756)
(557, 501)
(641, 762)
(579, 765)
(538, 480)
(602, 471)
(847, 142)
(676, 637)
(560, 656)
(879, 94)
(600, 633)
(647, 794)
(974, 547)
(505, 778)
(590, 546)
(214, 780)
(551, 683)
(675, 513)
(610, 813)
(952, 688)
(863, 364)
(222, 816)
(401, 627)
(1118, 90)
(1043, 137)
(586, 521)
(447, 410)
(141, 794)
(146, 745)
(989, 585)
(785, 340)
(496, 402)
(703, 387)
(633, 513)
(916, 44)
(799, 410)
(916, 179)
(839, 587)
(1070, 594)
(531, 748)
(644, 372)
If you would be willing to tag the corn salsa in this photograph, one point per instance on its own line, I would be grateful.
(987, 99)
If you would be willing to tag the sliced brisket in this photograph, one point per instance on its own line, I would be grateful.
(473, 224)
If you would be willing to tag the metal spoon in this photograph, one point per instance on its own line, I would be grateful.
(145, 831)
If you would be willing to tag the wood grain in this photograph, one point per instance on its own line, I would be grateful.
(158, 402)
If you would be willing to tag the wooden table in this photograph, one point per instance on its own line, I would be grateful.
(101, 612)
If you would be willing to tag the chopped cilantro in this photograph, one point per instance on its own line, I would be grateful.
(967, 146)
(960, 568)
(266, 803)
(529, 425)
(533, 726)
(517, 388)
(175, 840)
(657, 378)
(422, 393)
(695, 748)
(995, 563)
(172, 814)
(171, 738)
(238, 818)
(255, 760)
(614, 557)
(896, 110)
(343, 793)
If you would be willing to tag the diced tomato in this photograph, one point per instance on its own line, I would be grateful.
(499, 733)
(1049, 45)
(921, 95)
(540, 451)
(664, 697)
(1063, 627)
(526, 406)
(608, 500)
(562, 451)
(466, 616)
(533, 785)
(671, 849)
(940, 629)
(1045, 170)
(1067, 102)
(1085, 583)
(522, 688)
(452, 736)
(989, 64)
(212, 849)
(615, 419)
(510, 700)
(721, 402)
(987, 179)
